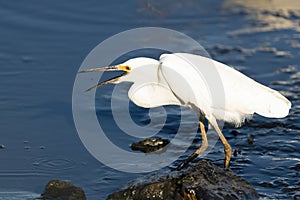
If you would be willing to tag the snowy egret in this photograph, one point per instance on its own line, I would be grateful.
(180, 79)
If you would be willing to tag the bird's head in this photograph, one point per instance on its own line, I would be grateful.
(133, 71)
(122, 68)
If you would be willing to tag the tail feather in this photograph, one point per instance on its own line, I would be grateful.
(275, 106)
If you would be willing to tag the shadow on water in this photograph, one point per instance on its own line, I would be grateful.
(42, 46)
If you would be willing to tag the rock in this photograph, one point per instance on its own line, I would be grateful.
(150, 144)
(237, 152)
(62, 190)
(203, 180)
(250, 139)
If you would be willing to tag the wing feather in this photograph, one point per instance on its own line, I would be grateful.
(222, 91)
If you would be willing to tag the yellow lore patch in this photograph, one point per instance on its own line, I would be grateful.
(124, 68)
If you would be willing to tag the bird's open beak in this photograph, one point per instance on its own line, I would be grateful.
(113, 80)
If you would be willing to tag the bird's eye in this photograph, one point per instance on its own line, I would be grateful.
(127, 68)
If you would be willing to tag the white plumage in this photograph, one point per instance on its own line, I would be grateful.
(212, 89)
(183, 79)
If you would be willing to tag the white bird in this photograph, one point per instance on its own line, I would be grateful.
(212, 89)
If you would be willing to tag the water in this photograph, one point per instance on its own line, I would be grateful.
(43, 45)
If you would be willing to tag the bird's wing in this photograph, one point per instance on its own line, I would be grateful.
(151, 94)
(221, 91)
(244, 93)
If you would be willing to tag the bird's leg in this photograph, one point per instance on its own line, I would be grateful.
(227, 147)
(201, 149)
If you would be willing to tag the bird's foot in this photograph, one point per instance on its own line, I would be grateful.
(228, 153)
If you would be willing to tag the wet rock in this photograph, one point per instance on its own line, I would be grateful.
(62, 190)
(150, 144)
(203, 180)
(2, 146)
(237, 152)
(250, 139)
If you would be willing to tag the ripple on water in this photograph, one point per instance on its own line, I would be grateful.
(278, 15)
(18, 195)
(21, 173)
(53, 165)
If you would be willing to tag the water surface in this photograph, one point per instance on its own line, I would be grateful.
(43, 45)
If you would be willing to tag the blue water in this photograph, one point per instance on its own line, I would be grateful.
(44, 43)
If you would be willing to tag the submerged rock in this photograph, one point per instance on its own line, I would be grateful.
(62, 190)
(203, 180)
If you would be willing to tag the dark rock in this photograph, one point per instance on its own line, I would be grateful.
(237, 152)
(250, 139)
(202, 181)
(150, 144)
(62, 190)
(2, 146)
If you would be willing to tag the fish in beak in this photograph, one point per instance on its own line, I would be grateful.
(113, 80)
